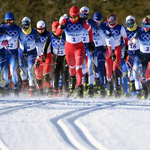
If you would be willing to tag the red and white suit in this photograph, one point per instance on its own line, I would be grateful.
(74, 47)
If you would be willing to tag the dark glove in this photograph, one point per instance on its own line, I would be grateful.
(4, 43)
(43, 59)
(25, 55)
(126, 56)
(2, 31)
(105, 48)
(37, 64)
(91, 46)
(63, 26)
(113, 56)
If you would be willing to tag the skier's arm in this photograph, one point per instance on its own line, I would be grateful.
(134, 39)
(46, 45)
(124, 35)
(61, 27)
(87, 26)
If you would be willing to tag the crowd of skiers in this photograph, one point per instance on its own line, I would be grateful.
(81, 54)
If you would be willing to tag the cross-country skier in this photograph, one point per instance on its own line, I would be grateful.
(3, 42)
(74, 47)
(57, 43)
(114, 60)
(27, 54)
(88, 62)
(11, 52)
(43, 62)
(143, 36)
(133, 52)
(101, 36)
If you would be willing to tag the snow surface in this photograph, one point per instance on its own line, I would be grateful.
(70, 124)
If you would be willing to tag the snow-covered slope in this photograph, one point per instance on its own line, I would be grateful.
(84, 124)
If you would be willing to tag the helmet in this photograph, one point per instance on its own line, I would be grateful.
(55, 25)
(74, 11)
(74, 14)
(40, 24)
(84, 12)
(146, 23)
(130, 20)
(9, 16)
(112, 20)
(62, 17)
(97, 16)
(25, 23)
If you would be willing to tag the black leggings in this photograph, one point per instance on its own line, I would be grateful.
(61, 67)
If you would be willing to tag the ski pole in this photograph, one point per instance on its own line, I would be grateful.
(16, 61)
(119, 68)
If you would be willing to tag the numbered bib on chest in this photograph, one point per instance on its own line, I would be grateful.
(74, 32)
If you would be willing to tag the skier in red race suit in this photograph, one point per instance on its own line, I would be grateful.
(73, 27)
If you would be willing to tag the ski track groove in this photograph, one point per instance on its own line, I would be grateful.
(28, 104)
(76, 134)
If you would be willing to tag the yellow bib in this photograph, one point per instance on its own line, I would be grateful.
(134, 27)
(28, 31)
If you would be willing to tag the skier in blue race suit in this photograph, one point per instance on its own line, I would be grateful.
(3, 42)
(11, 51)
(28, 53)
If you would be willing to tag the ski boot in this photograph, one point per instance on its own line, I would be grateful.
(132, 88)
(72, 84)
(7, 90)
(144, 94)
(91, 92)
(110, 89)
(118, 92)
(2, 92)
(102, 91)
(80, 91)
(96, 86)
(50, 92)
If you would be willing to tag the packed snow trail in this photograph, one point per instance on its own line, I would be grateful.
(48, 123)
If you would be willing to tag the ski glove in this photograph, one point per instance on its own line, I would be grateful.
(25, 55)
(106, 51)
(37, 64)
(43, 59)
(113, 56)
(4, 43)
(91, 47)
(63, 26)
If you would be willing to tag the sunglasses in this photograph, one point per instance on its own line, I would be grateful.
(41, 29)
(112, 23)
(84, 12)
(9, 21)
(25, 26)
(145, 25)
(74, 17)
(130, 24)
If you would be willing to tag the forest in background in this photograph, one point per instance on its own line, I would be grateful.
(52, 10)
